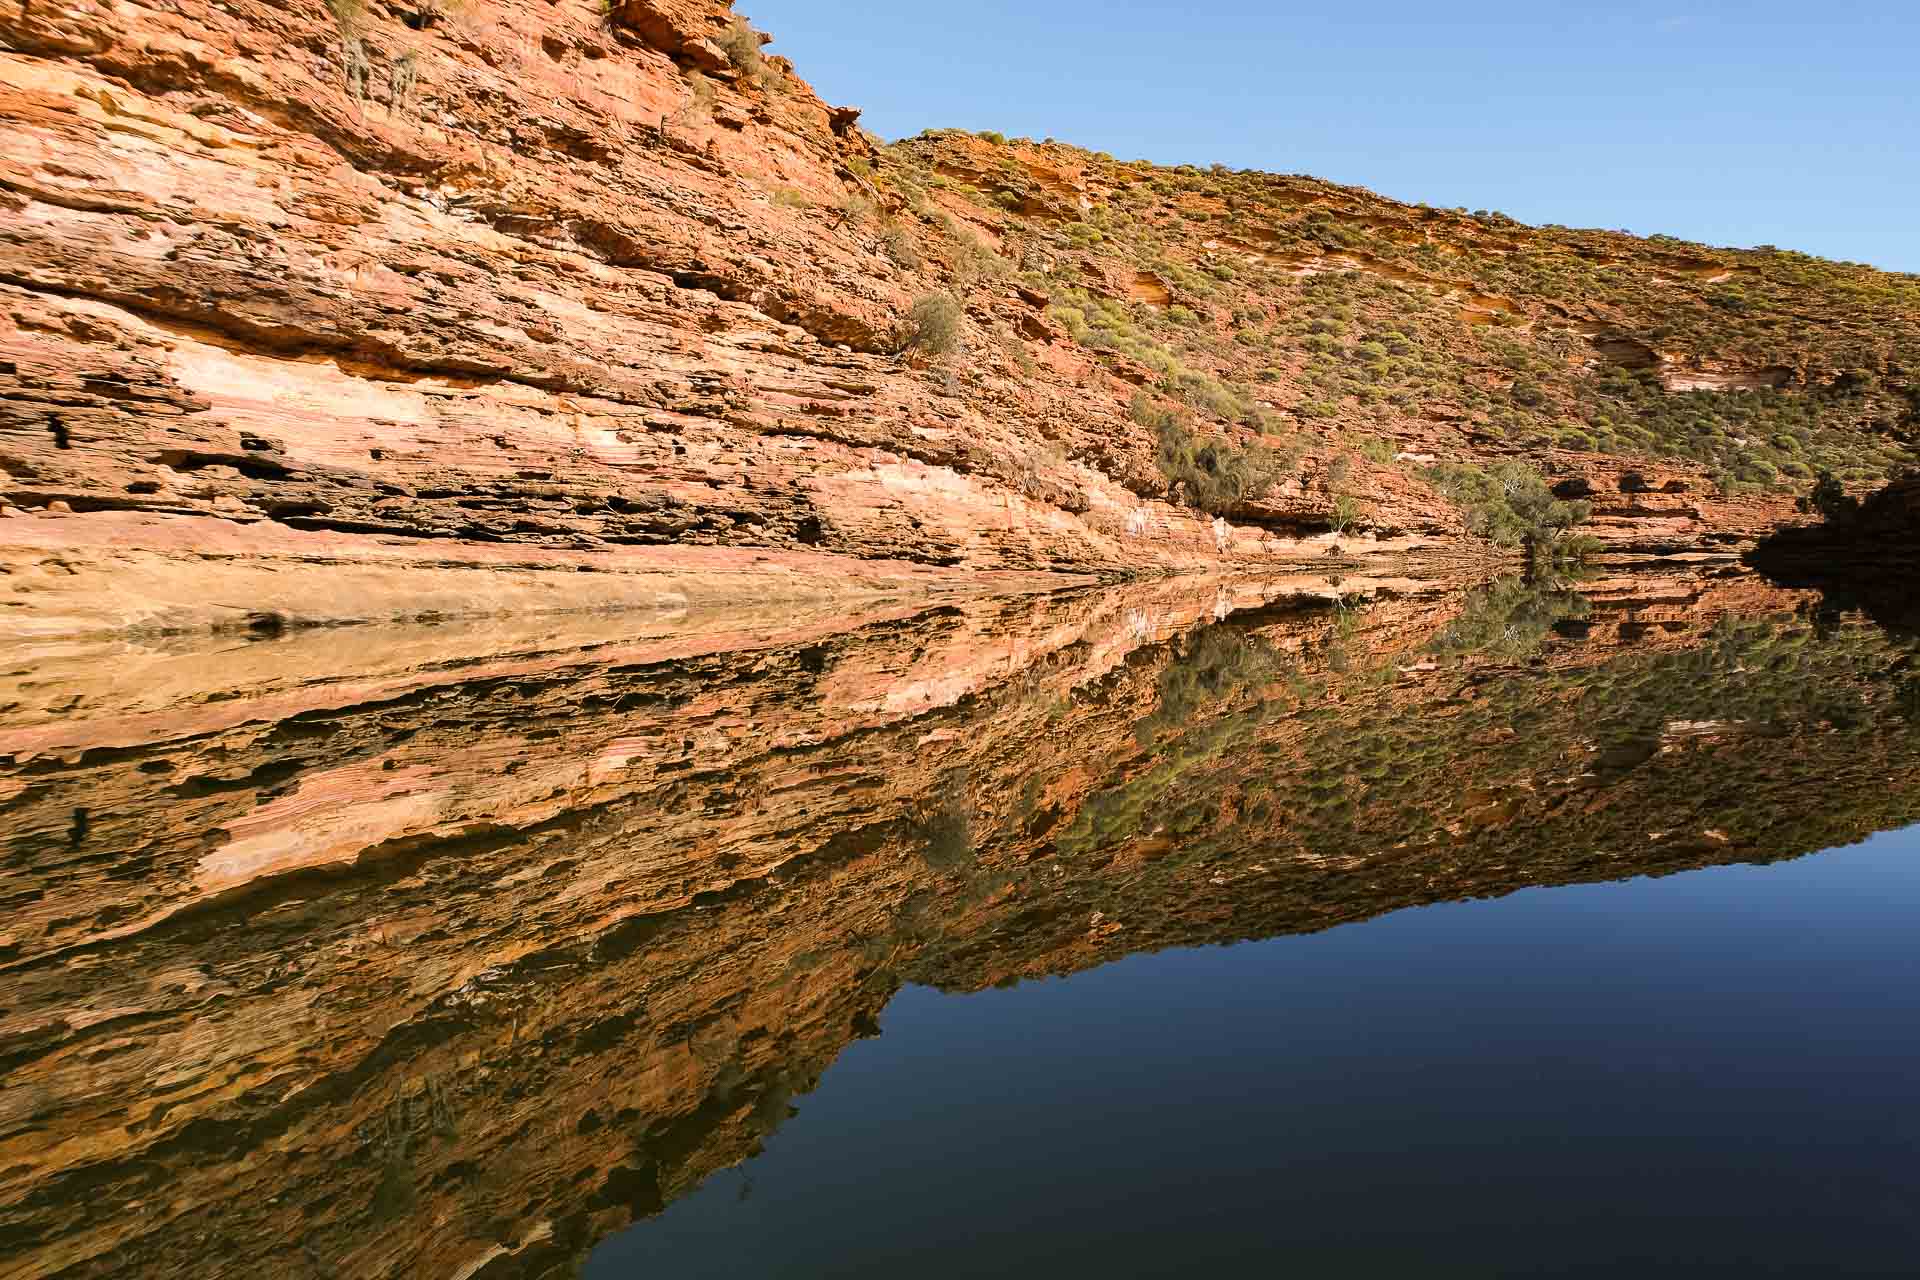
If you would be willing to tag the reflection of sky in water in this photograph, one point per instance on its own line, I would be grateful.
(445, 949)
(1662, 1076)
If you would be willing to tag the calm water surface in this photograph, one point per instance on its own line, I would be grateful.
(1711, 1072)
(1382, 927)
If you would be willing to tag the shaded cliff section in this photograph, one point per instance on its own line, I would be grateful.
(435, 959)
(1862, 553)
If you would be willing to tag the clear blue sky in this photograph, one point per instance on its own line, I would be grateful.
(1763, 122)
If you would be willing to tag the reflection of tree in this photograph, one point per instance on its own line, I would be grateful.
(945, 824)
(1511, 618)
(1210, 664)
(1197, 720)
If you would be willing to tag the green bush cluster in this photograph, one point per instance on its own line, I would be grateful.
(1510, 505)
(1831, 501)
(1209, 474)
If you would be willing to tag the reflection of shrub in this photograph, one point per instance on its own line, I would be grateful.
(1187, 733)
(1510, 618)
(945, 826)
(1217, 661)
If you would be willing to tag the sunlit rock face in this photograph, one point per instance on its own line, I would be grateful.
(449, 951)
(378, 312)
(315, 313)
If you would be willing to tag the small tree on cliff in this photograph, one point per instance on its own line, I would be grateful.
(741, 44)
(1510, 505)
(1830, 501)
(933, 325)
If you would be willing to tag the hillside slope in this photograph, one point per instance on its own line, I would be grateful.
(434, 307)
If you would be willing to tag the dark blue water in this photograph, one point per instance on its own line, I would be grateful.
(1714, 1073)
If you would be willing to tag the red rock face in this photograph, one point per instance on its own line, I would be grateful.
(427, 309)
(483, 308)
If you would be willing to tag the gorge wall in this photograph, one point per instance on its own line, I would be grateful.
(437, 307)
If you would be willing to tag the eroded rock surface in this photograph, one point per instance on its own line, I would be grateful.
(399, 310)
(415, 312)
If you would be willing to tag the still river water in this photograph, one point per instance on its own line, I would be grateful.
(1368, 928)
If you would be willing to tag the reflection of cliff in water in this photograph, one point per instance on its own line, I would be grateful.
(456, 957)
(1860, 554)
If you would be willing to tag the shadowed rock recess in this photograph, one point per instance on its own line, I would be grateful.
(373, 310)
(454, 953)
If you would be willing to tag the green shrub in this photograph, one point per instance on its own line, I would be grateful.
(1211, 475)
(1511, 505)
(1831, 501)
(741, 44)
(933, 325)
(1208, 394)
(1377, 450)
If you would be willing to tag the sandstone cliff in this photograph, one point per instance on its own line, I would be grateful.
(418, 308)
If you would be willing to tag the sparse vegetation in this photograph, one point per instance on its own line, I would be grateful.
(1713, 366)
(347, 15)
(933, 325)
(898, 244)
(1510, 505)
(741, 44)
